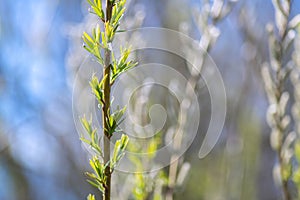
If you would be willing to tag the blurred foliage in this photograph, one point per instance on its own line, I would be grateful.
(234, 165)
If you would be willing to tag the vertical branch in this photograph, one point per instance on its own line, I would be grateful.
(207, 40)
(279, 91)
(274, 77)
(295, 79)
(103, 163)
(106, 110)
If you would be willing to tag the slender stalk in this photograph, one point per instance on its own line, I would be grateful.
(285, 188)
(190, 87)
(106, 110)
(274, 79)
(279, 92)
(103, 163)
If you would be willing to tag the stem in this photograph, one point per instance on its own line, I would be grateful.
(280, 91)
(192, 83)
(106, 111)
(172, 177)
(284, 183)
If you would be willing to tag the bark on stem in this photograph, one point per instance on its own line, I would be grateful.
(106, 110)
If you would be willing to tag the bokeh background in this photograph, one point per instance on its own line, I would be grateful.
(40, 52)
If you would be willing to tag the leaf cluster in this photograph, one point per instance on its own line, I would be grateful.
(96, 43)
(98, 177)
(115, 119)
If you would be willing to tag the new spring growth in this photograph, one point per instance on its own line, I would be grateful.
(98, 44)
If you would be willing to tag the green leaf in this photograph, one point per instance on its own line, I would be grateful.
(90, 2)
(122, 65)
(94, 140)
(92, 43)
(86, 124)
(93, 183)
(109, 32)
(97, 179)
(119, 149)
(152, 147)
(296, 177)
(97, 88)
(120, 14)
(91, 197)
(88, 38)
(297, 151)
(124, 142)
(119, 114)
(97, 8)
(97, 33)
(91, 175)
(121, 31)
(286, 172)
(115, 119)
(97, 12)
(99, 3)
(104, 41)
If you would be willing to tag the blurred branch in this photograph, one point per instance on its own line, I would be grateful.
(207, 19)
(274, 75)
(295, 79)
